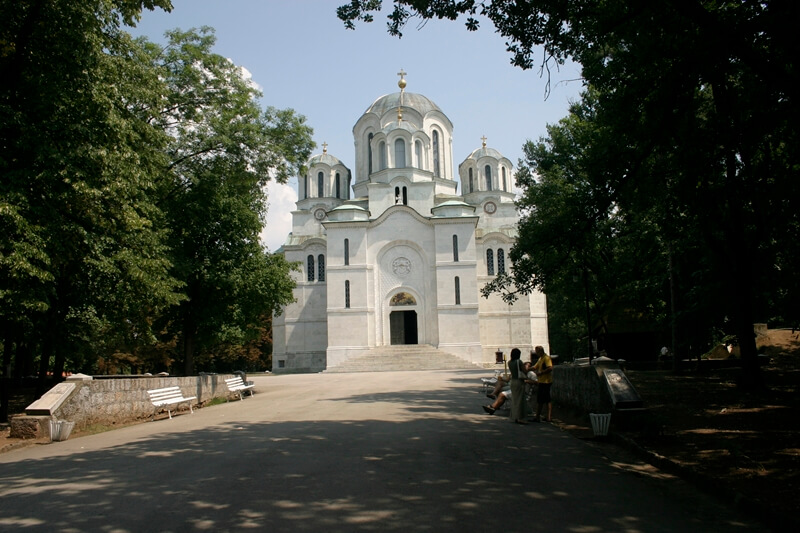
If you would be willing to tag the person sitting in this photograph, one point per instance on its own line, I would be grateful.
(505, 395)
(504, 382)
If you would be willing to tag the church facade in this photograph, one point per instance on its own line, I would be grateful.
(392, 253)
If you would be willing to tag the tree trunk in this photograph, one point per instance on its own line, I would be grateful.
(5, 374)
(44, 361)
(188, 341)
(751, 378)
(23, 358)
(7, 341)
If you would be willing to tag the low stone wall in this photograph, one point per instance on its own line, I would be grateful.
(117, 400)
(581, 387)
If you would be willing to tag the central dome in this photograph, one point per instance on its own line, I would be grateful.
(387, 102)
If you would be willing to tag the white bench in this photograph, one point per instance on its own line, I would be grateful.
(489, 383)
(168, 397)
(238, 385)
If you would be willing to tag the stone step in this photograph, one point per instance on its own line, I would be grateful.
(407, 357)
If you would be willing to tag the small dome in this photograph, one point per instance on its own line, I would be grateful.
(410, 101)
(348, 213)
(324, 159)
(485, 152)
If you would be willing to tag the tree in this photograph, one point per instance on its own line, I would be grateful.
(707, 87)
(132, 179)
(222, 152)
(80, 244)
(577, 242)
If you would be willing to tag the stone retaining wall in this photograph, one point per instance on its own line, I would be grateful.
(117, 401)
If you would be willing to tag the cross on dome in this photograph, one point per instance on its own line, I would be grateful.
(483, 140)
(402, 85)
(324, 148)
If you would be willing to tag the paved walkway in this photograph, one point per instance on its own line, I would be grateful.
(403, 451)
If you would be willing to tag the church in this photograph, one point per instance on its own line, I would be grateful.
(393, 253)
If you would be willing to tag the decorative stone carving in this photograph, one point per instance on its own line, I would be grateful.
(401, 266)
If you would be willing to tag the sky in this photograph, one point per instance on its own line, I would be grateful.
(301, 57)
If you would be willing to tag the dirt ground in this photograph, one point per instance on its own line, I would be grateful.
(743, 447)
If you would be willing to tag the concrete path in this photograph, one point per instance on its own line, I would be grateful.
(402, 451)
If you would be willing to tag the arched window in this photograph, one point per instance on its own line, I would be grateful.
(488, 171)
(310, 269)
(305, 186)
(321, 265)
(458, 291)
(505, 185)
(338, 185)
(369, 152)
(501, 261)
(435, 154)
(490, 262)
(381, 155)
(399, 153)
(320, 185)
(347, 252)
(405, 195)
(347, 293)
(418, 154)
(455, 248)
(397, 197)
(471, 182)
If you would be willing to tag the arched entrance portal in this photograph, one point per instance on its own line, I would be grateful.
(403, 321)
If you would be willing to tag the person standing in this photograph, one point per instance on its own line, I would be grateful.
(515, 366)
(544, 370)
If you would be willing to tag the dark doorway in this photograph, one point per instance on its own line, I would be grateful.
(403, 325)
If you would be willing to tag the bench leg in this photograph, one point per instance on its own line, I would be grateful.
(190, 408)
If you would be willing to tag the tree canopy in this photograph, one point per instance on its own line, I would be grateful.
(697, 110)
(223, 149)
(132, 193)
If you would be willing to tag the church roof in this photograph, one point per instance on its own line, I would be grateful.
(414, 101)
(348, 207)
(325, 159)
(452, 203)
(485, 152)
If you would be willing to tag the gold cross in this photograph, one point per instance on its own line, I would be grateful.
(324, 148)
(484, 141)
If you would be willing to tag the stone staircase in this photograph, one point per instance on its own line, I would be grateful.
(403, 357)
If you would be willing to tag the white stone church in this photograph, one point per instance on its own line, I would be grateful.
(392, 254)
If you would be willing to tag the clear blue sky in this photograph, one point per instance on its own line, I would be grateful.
(302, 58)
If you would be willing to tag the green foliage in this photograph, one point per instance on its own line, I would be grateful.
(132, 192)
(77, 193)
(222, 151)
(577, 243)
(697, 110)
